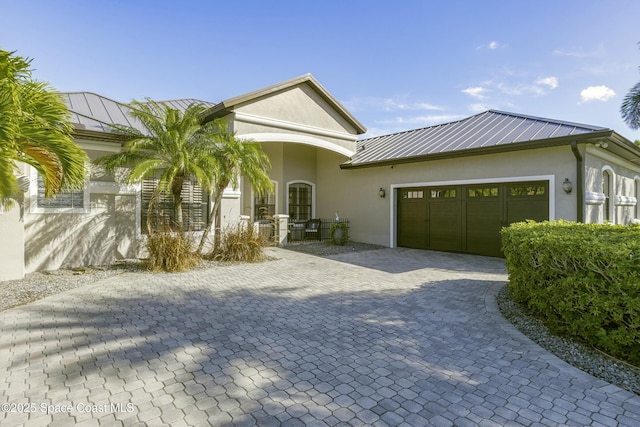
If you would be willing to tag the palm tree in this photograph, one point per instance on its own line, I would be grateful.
(630, 108)
(235, 157)
(35, 129)
(168, 140)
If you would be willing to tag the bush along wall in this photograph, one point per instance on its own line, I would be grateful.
(582, 280)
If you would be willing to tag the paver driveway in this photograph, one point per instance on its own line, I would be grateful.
(386, 337)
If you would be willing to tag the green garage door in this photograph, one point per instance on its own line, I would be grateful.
(412, 218)
(445, 219)
(484, 218)
(467, 218)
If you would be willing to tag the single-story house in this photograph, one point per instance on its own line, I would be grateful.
(447, 187)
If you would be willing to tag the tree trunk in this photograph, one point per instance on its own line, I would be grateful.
(176, 191)
(213, 220)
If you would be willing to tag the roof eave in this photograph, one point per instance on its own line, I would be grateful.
(80, 132)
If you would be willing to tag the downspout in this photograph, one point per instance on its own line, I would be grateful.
(580, 183)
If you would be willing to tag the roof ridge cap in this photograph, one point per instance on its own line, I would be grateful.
(548, 120)
(95, 94)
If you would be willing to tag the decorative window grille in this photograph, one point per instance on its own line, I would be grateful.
(63, 200)
(300, 200)
(264, 206)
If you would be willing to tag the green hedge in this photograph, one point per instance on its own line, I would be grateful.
(583, 280)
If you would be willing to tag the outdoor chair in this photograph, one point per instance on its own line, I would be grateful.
(312, 229)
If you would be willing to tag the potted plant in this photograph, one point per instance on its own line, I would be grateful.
(339, 233)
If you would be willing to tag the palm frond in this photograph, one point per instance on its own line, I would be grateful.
(630, 108)
(35, 127)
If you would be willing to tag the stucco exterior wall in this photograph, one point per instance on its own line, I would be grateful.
(354, 192)
(625, 177)
(299, 104)
(290, 163)
(105, 231)
(297, 115)
(12, 248)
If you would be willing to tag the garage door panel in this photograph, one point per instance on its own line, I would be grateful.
(522, 210)
(445, 226)
(527, 201)
(412, 218)
(483, 224)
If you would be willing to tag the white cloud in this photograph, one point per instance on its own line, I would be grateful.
(597, 93)
(479, 108)
(597, 51)
(512, 87)
(387, 104)
(402, 124)
(551, 82)
(476, 92)
(421, 120)
(394, 104)
(492, 45)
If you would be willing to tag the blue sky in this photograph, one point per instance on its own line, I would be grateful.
(396, 65)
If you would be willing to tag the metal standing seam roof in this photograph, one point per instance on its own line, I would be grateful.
(489, 129)
(98, 113)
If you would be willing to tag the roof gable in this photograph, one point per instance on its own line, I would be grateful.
(491, 129)
(305, 83)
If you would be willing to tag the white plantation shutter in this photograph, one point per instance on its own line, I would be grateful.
(194, 206)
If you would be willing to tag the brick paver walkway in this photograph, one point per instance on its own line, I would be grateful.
(386, 337)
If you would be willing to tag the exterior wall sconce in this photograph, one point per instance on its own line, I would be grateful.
(567, 186)
(382, 193)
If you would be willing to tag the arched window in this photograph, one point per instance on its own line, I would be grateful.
(607, 182)
(636, 194)
(300, 201)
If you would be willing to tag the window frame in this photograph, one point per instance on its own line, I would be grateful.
(254, 205)
(608, 204)
(636, 195)
(312, 213)
(34, 197)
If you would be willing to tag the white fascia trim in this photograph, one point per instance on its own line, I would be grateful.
(298, 139)
(550, 178)
(113, 147)
(292, 126)
(604, 155)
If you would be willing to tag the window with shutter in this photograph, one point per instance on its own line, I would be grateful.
(194, 206)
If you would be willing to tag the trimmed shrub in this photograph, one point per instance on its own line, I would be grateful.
(582, 280)
(171, 252)
(241, 243)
